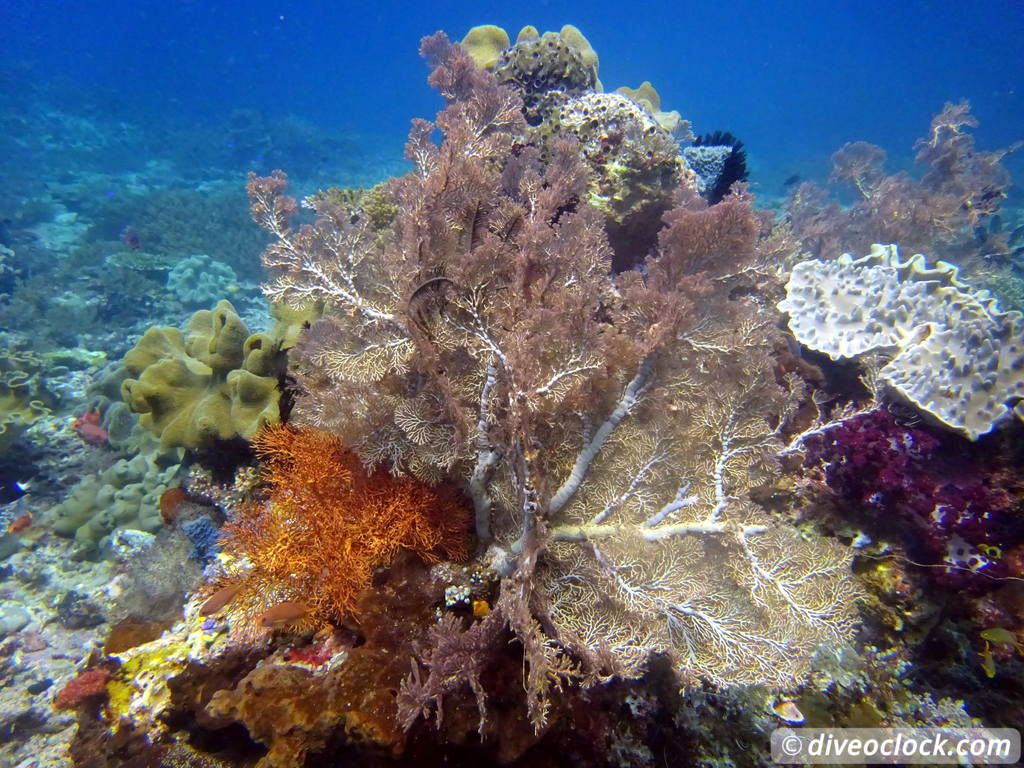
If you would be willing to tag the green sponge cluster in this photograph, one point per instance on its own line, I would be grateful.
(125, 495)
(213, 382)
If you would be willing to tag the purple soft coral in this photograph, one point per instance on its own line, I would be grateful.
(946, 503)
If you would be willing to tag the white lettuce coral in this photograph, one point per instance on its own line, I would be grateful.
(955, 355)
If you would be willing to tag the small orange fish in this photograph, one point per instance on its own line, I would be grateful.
(788, 711)
(219, 599)
(283, 614)
(20, 523)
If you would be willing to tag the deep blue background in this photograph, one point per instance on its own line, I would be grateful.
(793, 79)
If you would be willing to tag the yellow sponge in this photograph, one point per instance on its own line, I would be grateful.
(485, 43)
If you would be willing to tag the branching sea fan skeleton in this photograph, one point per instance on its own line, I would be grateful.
(607, 427)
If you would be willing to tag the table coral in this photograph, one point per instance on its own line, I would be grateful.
(956, 356)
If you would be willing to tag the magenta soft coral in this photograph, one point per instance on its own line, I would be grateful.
(944, 502)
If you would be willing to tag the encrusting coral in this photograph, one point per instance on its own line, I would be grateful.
(547, 70)
(327, 525)
(24, 398)
(125, 495)
(635, 164)
(648, 97)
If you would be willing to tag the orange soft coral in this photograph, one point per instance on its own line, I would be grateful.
(328, 525)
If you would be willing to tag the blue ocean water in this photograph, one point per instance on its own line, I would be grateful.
(793, 80)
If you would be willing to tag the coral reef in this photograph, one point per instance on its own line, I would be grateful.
(635, 165)
(198, 281)
(24, 397)
(485, 338)
(557, 338)
(922, 491)
(720, 161)
(943, 214)
(648, 97)
(956, 356)
(91, 684)
(38, 659)
(156, 576)
(547, 70)
(630, 145)
(331, 685)
(214, 382)
(485, 43)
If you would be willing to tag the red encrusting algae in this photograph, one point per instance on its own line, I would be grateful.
(90, 684)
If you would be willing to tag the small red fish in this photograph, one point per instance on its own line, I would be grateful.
(20, 523)
(88, 428)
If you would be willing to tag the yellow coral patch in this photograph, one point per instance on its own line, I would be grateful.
(214, 382)
(485, 43)
(644, 93)
(575, 38)
(527, 33)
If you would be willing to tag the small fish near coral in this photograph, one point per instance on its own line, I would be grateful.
(283, 615)
(20, 523)
(88, 428)
(215, 602)
(1001, 638)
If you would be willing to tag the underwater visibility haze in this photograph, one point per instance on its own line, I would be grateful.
(555, 384)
